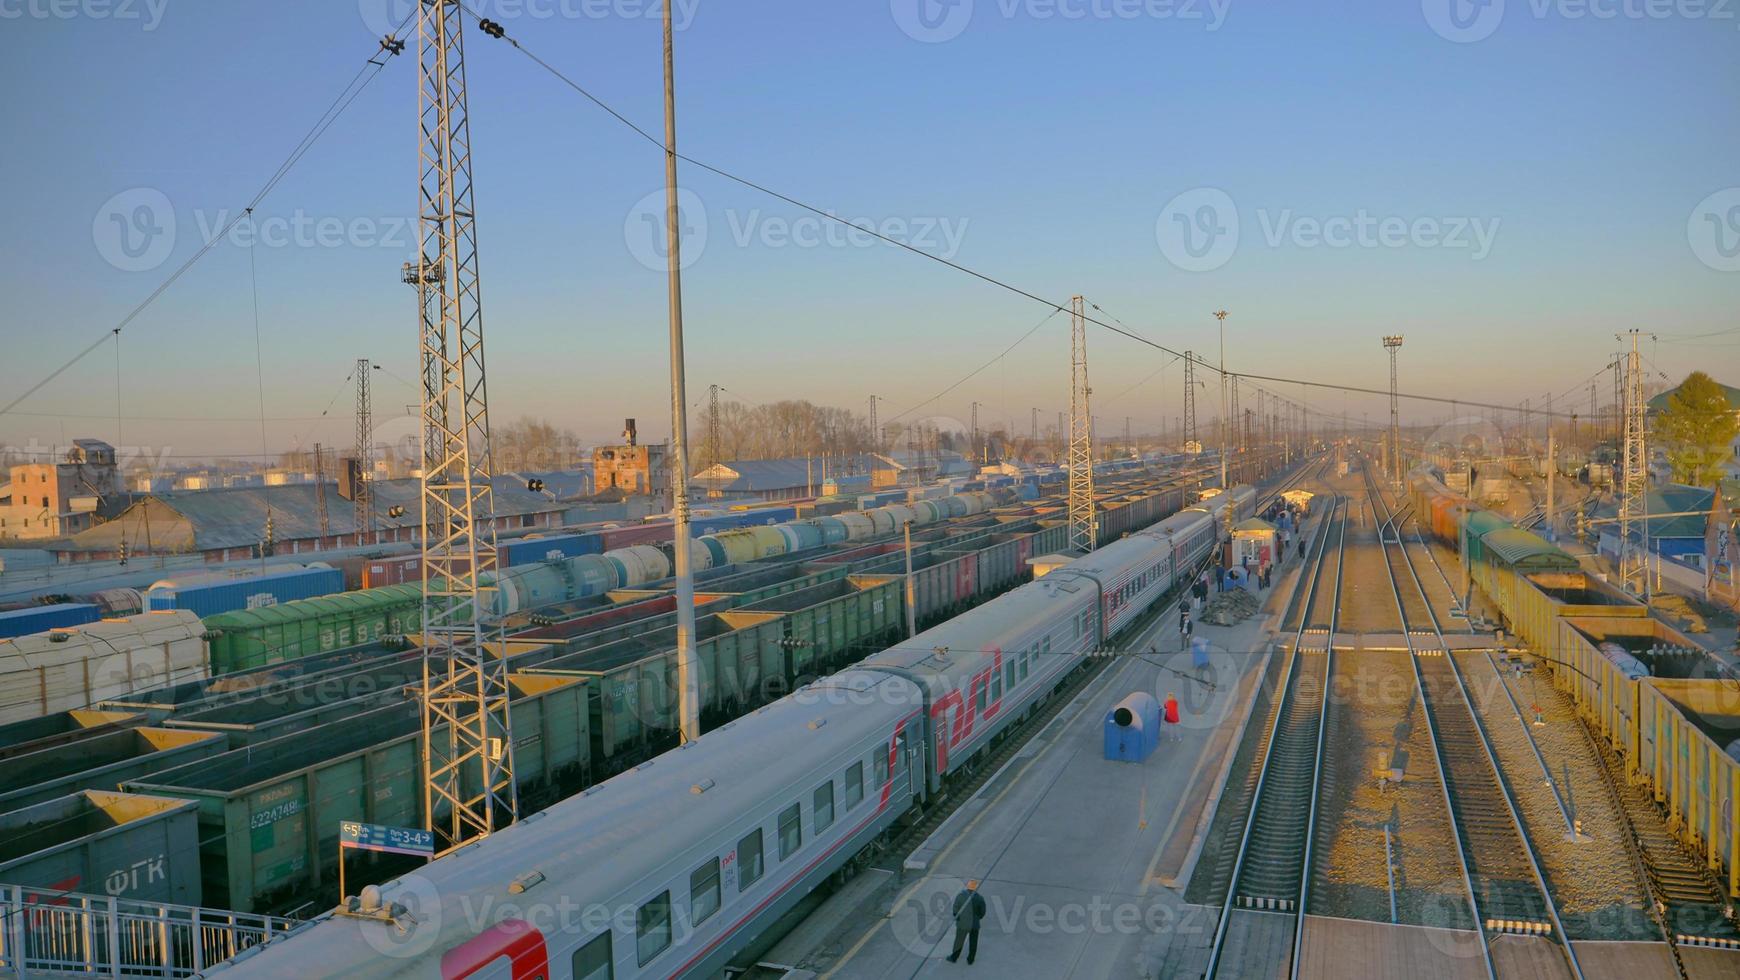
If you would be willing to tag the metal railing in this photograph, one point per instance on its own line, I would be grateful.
(45, 933)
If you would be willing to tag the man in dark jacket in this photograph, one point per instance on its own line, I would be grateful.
(969, 909)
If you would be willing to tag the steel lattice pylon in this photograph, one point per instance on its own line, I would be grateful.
(362, 495)
(1082, 536)
(467, 747)
(1190, 401)
(1634, 477)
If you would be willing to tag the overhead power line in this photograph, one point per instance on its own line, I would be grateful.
(339, 104)
(1005, 285)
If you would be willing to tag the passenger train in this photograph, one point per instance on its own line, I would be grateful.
(682, 865)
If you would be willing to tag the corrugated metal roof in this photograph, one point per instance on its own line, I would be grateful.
(235, 517)
(1672, 499)
(760, 475)
(1521, 549)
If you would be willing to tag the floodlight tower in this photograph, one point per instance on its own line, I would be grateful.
(468, 787)
(1634, 561)
(1394, 344)
(875, 432)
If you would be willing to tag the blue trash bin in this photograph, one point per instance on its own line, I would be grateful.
(1133, 728)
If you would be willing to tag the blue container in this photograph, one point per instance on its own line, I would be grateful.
(41, 619)
(524, 551)
(1028, 491)
(1133, 728)
(227, 595)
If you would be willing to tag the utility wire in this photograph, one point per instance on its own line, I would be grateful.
(971, 374)
(958, 267)
(348, 95)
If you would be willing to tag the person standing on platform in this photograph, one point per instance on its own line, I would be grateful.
(969, 910)
(1173, 734)
(1183, 627)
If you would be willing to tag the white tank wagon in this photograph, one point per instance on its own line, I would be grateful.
(537, 584)
(672, 869)
(65, 669)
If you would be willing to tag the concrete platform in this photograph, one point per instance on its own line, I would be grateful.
(1078, 856)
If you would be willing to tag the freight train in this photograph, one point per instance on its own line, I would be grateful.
(1666, 707)
(679, 866)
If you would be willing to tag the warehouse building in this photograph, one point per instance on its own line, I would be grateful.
(232, 523)
(788, 479)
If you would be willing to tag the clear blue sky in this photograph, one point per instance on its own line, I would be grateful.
(1051, 145)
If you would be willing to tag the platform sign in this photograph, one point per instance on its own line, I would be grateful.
(393, 840)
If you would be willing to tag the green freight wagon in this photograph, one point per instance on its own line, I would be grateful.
(269, 814)
(139, 848)
(102, 762)
(741, 661)
(299, 707)
(257, 637)
(163, 702)
(831, 625)
(61, 728)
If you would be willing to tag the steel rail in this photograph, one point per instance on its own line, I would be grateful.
(1391, 521)
(1287, 689)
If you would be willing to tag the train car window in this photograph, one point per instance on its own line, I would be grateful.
(1009, 674)
(704, 891)
(791, 831)
(824, 806)
(854, 784)
(996, 685)
(593, 960)
(652, 928)
(749, 860)
(1026, 658)
(880, 760)
(979, 697)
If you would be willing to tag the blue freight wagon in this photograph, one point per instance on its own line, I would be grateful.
(41, 619)
(715, 523)
(227, 595)
(524, 551)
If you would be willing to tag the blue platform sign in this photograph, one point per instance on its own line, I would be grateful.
(393, 840)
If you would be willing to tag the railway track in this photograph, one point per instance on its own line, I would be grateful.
(1268, 872)
(1506, 888)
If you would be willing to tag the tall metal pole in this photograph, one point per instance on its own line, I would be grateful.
(1082, 534)
(468, 786)
(362, 498)
(911, 589)
(1225, 487)
(1634, 478)
(875, 430)
(1220, 317)
(1394, 344)
(688, 676)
